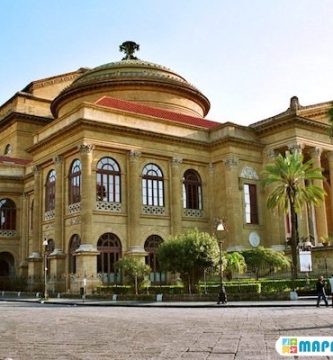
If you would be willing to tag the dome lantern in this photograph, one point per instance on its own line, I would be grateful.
(129, 47)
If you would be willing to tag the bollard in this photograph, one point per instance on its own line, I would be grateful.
(19, 293)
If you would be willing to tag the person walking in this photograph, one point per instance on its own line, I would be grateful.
(331, 285)
(321, 291)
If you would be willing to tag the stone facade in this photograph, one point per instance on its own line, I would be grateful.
(197, 171)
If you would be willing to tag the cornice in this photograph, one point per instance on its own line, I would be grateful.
(84, 123)
(290, 121)
(51, 80)
(235, 140)
(18, 116)
(12, 178)
(186, 90)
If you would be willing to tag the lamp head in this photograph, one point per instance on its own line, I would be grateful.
(220, 226)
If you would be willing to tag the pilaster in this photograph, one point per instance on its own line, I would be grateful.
(59, 215)
(34, 259)
(232, 201)
(275, 230)
(134, 201)
(176, 207)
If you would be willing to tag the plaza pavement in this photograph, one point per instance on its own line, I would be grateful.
(60, 330)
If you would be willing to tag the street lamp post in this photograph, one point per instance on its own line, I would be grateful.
(222, 297)
(45, 245)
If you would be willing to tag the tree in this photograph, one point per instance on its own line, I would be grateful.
(262, 261)
(292, 188)
(134, 269)
(235, 262)
(189, 254)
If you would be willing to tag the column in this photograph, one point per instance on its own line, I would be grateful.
(87, 252)
(88, 194)
(320, 210)
(176, 196)
(57, 257)
(134, 200)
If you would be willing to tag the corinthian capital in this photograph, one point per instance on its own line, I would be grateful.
(134, 155)
(58, 159)
(36, 169)
(86, 148)
(176, 161)
(230, 162)
(296, 147)
(315, 152)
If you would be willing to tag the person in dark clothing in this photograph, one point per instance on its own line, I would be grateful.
(331, 286)
(222, 296)
(321, 291)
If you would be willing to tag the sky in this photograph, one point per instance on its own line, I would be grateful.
(249, 57)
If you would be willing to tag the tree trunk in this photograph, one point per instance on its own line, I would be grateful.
(293, 244)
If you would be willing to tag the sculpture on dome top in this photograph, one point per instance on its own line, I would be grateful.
(129, 47)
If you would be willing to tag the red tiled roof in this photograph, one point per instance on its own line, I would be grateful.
(11, 160)
(151, 111)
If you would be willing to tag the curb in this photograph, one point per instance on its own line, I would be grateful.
(92, 303)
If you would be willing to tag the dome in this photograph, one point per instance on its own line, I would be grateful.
(134, 80)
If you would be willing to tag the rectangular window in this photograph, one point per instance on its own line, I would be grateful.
(251, 206)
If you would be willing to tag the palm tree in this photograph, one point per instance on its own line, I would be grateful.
(235, 263)
(293, 187)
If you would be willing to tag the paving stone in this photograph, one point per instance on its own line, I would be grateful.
(44, 332)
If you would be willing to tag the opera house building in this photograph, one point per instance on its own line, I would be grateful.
(102, 163)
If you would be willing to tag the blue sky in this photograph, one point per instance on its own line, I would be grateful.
(247, 56)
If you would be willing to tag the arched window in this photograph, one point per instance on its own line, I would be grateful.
(7, 214)
(151, 246)
(192, 193)
(7, 264)
(152, 186)
(74, 244)
(109, 247)
(75, 182)
(50, 191)
(8, 149)
(108, 180)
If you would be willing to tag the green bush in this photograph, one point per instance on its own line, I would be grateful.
(165, 289)
(233, 288)
(273, 286)
(114, 289)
